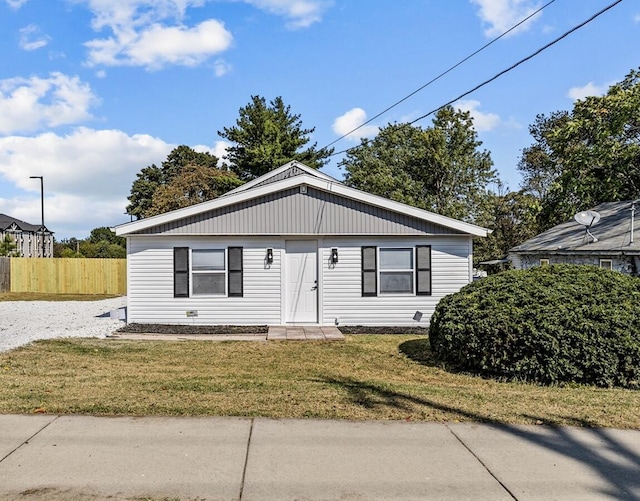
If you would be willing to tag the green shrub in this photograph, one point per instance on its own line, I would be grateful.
(548, 325)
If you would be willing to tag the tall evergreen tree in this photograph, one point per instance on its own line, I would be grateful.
(267, 136)
(7, 246)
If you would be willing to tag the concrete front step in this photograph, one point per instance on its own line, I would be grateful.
(304, 333)
(276, 333)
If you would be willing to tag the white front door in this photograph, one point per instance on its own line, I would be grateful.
(301, 281)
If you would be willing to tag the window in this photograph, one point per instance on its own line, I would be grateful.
(180, 271)
(396, 271)
(207, 272)
(235, 272)
(423, 270)
(607, 264)
(544, 262)
(369, 271)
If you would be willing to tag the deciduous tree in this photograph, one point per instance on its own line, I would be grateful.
(153, 181)
(194, 184)
(440, 168)
(512, 218)
(590, 155)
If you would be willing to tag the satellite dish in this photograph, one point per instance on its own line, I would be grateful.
(587, 219)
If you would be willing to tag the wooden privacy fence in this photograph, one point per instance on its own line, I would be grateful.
(64, 275)
(5, 274)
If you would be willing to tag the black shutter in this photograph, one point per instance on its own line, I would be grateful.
(235, 272)
(369, 272)
(423, 270)
(181, 272)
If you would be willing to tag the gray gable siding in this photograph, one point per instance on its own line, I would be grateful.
(290, 172)
(291, 212)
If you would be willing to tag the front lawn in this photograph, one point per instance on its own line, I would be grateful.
(365, 377)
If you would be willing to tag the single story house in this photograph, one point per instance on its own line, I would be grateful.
(27, 237)
(295, 246)
(612, 242)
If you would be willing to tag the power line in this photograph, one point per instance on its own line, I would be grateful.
(513, 66)
(524, 60)
(441, 74)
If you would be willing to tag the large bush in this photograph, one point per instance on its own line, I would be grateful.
(548, 325)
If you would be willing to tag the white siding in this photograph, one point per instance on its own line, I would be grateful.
(150, 284)
(341, 285)
(516, 262)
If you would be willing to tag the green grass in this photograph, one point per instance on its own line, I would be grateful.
(365, 377)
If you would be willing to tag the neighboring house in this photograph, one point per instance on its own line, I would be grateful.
(295, 246)
(613, 242)
(27, 237)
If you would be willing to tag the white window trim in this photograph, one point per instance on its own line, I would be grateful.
(224, 272)
(413, 273)
(608, 264)
(545, 262)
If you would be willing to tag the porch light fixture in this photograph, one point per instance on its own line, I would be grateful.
(269, 256)
(334, 255)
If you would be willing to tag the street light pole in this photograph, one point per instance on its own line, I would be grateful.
(42, 209)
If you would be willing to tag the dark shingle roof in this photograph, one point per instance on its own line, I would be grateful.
(7, 221)
(613, 232)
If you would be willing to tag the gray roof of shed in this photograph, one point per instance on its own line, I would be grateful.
(613, 232)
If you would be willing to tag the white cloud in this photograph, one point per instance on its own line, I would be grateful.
(501, 15)
(221, 67)
(87, 176)
(636, 18)
(481, 121)
(150, 33)
(219, 150)
(29, 104)
(352, 119)
(589, 89)
(300, 13)
(157, 46)
(32, 39)
(16, 4)
(131, 14)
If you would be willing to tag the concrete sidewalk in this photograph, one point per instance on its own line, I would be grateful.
(92, 458)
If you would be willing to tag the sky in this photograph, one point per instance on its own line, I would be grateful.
(93, 91)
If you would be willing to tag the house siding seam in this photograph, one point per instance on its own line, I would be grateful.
(294, 213)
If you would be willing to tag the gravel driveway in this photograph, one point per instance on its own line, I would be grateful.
(24, 321)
